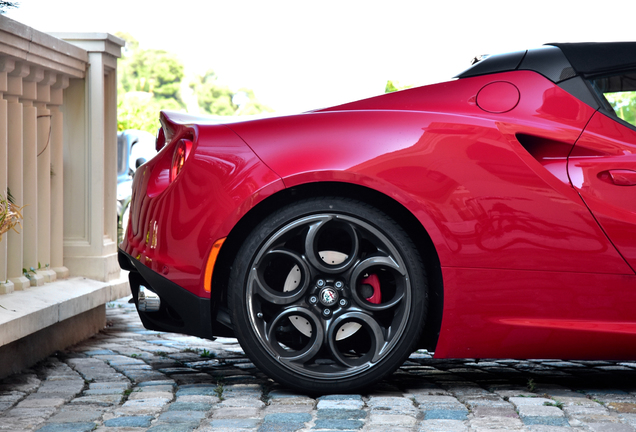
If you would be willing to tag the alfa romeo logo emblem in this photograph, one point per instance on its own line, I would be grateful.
(328, 296)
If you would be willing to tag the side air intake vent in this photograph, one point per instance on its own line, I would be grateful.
(552, 154)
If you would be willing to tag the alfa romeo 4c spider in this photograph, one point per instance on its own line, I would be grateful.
(491, 216)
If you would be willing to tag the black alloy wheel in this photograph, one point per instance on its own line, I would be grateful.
(328, 295)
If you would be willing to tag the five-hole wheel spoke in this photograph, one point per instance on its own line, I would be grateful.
(329, 295)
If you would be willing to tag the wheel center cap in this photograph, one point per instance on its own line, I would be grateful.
(328, 296)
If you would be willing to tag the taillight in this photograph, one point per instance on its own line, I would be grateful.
(181, 153)
(161, 139)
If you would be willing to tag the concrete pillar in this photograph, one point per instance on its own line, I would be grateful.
(90, 141)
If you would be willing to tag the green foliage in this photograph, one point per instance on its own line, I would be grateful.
(219, 391)
(213, 98)
(153, 80)
(157, 72)
(390, 87)
(393, 86)
(140, 110)
(148, 81)
(557, 404)
(207, 354)
(217, 99)
(27, 273)
(624, 104)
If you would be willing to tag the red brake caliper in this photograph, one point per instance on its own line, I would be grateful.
(374, 282)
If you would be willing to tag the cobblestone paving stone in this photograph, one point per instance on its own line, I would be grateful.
(129, 379)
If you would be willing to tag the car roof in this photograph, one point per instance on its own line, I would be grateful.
(599, 57)
(566, 64)
(561, 61)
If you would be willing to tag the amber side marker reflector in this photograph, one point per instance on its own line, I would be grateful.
(209, 268)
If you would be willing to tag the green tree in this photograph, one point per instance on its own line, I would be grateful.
(148, 82)
(140, 110)
(624, 104)
(152, 80)
(213, 97)
(217, 99)
(153, 71)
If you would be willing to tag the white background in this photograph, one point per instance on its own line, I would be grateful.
(300, 55)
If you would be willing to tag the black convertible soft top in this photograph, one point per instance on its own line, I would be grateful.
(569, 65)
(561, 61)
(599, 57)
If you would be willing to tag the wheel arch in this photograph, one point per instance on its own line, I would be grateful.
(386, 204)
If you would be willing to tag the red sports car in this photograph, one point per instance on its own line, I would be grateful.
(492, 216)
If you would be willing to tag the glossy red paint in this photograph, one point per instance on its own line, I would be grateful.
(217, 186)
(484, 200)
(498, 97)
(161, 140)
(535, 314)
(181, 153)
(602, 167)
(619, 177)
(481, 162)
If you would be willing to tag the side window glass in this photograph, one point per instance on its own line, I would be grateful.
(624, 105)
(618, 94)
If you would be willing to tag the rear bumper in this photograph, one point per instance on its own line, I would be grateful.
(180, 311)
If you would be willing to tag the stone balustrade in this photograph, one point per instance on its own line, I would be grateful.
(58, 136)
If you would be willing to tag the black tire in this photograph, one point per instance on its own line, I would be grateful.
(300, 309)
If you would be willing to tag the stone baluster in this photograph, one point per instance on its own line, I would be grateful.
(6, 66)
(15, 165)
(44, 131)
(57, 177)
(30, 175)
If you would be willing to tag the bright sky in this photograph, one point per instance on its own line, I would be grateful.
(299, 55)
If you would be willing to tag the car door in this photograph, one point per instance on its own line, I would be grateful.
(602, 164)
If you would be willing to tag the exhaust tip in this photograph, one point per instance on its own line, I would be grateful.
(147, 301)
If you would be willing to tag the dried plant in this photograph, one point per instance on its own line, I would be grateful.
(10, 215)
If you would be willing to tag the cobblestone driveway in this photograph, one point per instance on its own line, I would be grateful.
(130, 379)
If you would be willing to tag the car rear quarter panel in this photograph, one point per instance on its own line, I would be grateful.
(174, 225)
